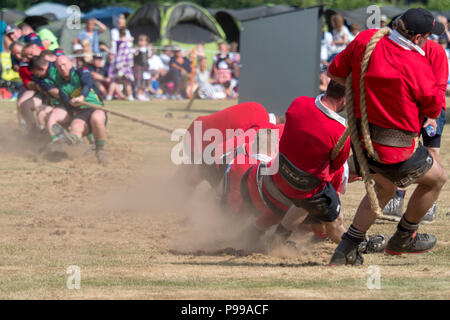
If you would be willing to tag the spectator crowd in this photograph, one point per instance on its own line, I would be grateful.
(132, 69)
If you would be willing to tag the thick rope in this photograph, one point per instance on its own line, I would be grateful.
(365, 131)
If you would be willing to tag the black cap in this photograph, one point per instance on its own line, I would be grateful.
(421, 21)
(98, 56)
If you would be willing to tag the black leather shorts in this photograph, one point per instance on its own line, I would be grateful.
(404, 173)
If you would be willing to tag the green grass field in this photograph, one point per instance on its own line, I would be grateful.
(118, 225)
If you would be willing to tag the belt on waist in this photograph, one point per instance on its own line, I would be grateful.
(296, 177)
(390, 137)
(274, 192)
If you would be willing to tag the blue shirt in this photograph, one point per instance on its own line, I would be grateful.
(94, 41)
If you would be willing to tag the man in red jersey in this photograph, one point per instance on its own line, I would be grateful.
(307, 177)
(438, 60)
(400, 89)
(223, 130)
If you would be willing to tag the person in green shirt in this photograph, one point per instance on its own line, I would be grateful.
(71, 88)
(49, 40)
(78, 86)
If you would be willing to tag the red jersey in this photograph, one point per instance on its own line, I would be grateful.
(25, 75)
(241, 116)
(241, 194)
(310, 134)
(400, 88)
(439, 63)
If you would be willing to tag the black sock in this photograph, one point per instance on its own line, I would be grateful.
(283, 232)
(355, 235)
(406, 226)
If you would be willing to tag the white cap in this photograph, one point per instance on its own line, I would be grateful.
(77, 47)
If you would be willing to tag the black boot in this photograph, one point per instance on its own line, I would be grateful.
(347, 252)
(410, 242)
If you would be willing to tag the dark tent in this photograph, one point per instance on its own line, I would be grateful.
(229, 19)
(36, 21)
(255, 12)
(108, 15)
(189, 23)
(229, 25)
(146, 20)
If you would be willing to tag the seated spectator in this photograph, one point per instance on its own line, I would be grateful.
(223, 64)
(77, 52)
(180, 69)
(121, 68)
(100, 74)
(200, 50)
(141, 67)
(166, 56)
(355, 29)
(157, 71)
(87, 52)
(91, 34)
(203, 83)
(340, 35)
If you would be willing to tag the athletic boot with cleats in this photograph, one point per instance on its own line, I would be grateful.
(410, 242)
(373, 244)
(430, 216)
(101, 156)
(63, 134)
(346, 253)
(394, 208)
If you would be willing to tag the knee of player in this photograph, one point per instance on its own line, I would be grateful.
(442, 177)
(98, 117)
(385, 190)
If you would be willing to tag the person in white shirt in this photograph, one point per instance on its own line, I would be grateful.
(340, 34)
(115, 36)
(325, 47)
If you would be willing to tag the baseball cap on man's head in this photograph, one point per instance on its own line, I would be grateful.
(10, 28)
(421, 21)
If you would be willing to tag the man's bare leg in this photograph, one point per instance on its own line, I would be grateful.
(405, 239)
(42, 116)
(28, 94)
(364, 216)
(29, 107)
(426, 193)
(97, 123)
(336, 229)
(58, 115)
